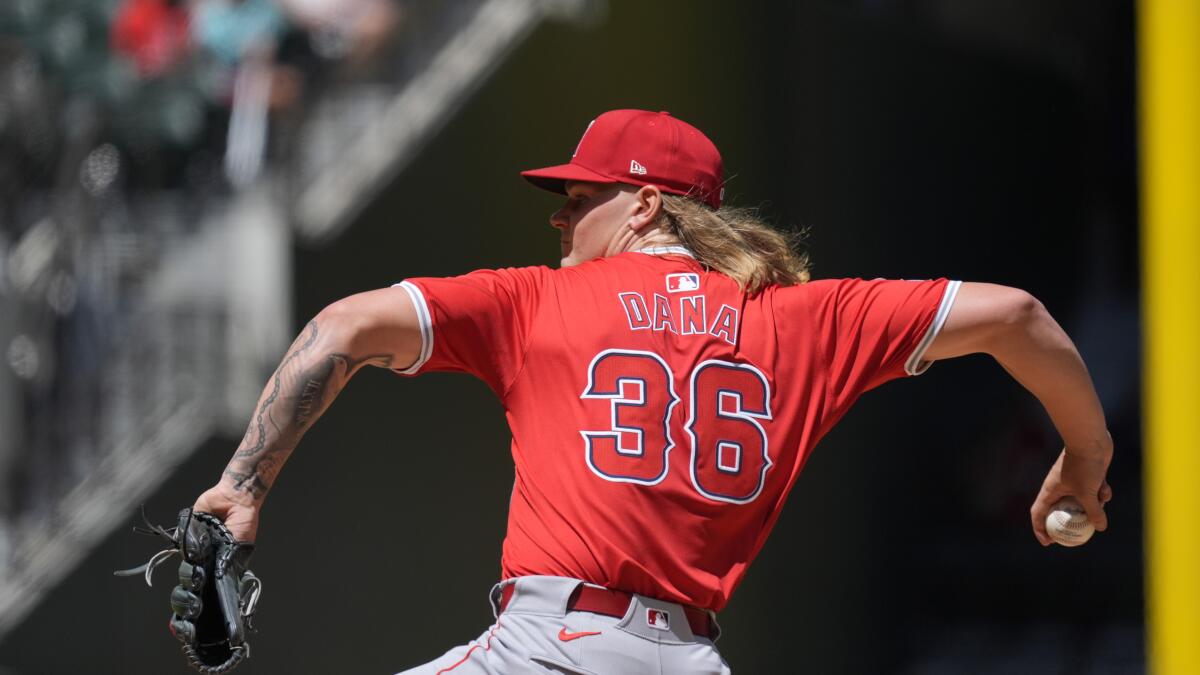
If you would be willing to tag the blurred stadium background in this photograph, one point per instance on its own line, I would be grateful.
(184, 182)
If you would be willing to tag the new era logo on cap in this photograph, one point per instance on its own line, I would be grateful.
(636, 169)
(685, 281)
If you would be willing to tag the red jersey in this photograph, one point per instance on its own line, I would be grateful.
(660, 415)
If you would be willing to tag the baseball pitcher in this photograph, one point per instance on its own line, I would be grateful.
(664, 387)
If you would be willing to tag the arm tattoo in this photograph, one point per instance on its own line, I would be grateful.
(294, 352)
(316, 380)
(306, 395)
(247, 482)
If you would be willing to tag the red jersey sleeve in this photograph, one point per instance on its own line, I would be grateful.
(869, 332)
(477, 323)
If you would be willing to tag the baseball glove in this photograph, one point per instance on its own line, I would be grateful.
(213, 605)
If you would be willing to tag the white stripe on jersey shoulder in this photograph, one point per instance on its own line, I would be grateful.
(426, 322)
(914, 365)
(665, 250)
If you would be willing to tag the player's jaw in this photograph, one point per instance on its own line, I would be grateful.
(590, 220)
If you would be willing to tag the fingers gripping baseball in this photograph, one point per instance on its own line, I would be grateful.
(1080, 478)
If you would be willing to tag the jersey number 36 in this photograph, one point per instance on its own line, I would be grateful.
(725, 401)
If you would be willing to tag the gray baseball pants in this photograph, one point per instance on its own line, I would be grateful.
(536, 634)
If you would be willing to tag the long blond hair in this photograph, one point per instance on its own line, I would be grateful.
(736, 242)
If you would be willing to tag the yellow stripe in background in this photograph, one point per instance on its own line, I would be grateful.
(1169, 69)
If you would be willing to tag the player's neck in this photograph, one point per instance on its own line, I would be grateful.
(649, 238)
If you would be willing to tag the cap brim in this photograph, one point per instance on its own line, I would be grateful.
(554, 178)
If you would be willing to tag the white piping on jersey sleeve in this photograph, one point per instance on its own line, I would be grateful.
(426, 323)
(914, 365)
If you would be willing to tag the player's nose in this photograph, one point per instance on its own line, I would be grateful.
(559, 220)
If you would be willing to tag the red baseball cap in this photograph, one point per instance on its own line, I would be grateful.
(641, 148)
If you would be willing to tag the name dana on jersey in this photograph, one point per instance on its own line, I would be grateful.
(682, 315)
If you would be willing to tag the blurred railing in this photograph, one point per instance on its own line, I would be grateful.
(151, 155)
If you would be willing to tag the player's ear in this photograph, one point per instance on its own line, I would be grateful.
(647, 206)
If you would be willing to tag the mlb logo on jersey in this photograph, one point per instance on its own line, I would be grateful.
(683, 282)
(657, 618)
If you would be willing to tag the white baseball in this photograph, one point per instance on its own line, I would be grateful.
(1068, 524)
